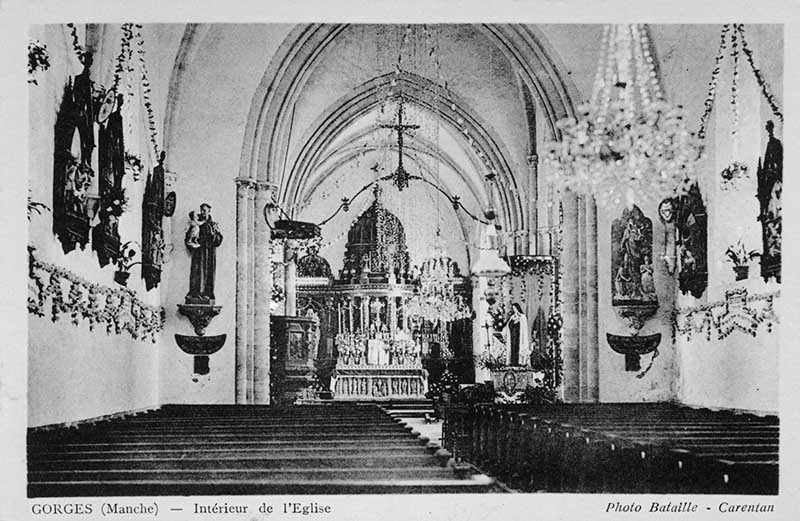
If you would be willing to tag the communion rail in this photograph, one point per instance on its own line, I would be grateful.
(617, 447)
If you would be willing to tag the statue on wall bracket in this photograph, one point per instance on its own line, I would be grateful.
(105, 236)
(692, 234)
(770, 188)
(202, 239)
(634, 295)
(152, 226)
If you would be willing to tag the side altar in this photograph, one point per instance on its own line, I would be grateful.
(370, 346)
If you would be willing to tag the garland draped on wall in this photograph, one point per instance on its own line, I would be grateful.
(81, 300)
(738, 312)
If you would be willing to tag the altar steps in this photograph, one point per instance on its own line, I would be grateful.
(409, 408)
(221, 450)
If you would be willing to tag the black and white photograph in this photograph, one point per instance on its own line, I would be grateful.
(278, 269)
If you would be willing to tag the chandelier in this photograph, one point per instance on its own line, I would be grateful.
(437, 301)
(627, 143)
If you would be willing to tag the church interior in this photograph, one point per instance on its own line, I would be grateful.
(403, 258)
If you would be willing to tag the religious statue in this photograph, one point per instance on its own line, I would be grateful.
(516, 337)
(313, 265)
(770, 188)
(632, 253)
(202, 239)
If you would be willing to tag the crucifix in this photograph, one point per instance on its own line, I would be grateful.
(400, 175)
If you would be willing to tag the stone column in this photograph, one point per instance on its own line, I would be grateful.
(290, 277)
(251, 292)
(263, 294)
(533, 205)
(569, 291)
(243, 188)
(582, 347)
(592, 339)
(479, 333)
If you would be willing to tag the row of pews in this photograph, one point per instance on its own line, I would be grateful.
(228, 449)
(617, 447)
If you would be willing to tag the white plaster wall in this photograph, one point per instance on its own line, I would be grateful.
(216, 93)
(739, 371)
(73, 373)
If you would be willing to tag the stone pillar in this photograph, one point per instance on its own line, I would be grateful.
(243, 188)
(533, 205)
(569, 291)
(290, 277)
(592, 339)
(479, 333)
(251, 292)
(582, 298)
(263, 294)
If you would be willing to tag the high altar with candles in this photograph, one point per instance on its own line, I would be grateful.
(370, 346)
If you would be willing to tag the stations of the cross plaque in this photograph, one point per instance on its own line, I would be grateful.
(400, 176)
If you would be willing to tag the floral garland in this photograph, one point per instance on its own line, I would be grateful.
(81, 300)
(708, 104)
(124, 56)
(738, 312)
(38, 60)
(765, 90)
(76, 46)
(737, 40)
(148, 104)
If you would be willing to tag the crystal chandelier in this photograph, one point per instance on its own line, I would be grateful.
(627, 143)
(437, 301)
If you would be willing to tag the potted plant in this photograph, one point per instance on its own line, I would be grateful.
(741, 257)
(124, 263)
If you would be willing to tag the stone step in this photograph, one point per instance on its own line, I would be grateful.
(258, 461)
(230, 452)
(217, 474)
(234, 443)
(476, 484)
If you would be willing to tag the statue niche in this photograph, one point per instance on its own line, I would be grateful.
(691, 225)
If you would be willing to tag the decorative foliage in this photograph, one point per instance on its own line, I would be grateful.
(125, 260)
(35, 207)
(146, 90)
(732, 173)
(74, 297)
(738, 312)
(76, 46)
(38, 60)
(737, 40)
(628, 143)
(739, 255)
(447, 384)
(133, 166)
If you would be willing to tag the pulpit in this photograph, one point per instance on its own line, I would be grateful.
(292, 348)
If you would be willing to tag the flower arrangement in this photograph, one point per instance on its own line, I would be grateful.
(732, 173)
(741, 257)
(125, 260)
(38, 60)
(448, 384)
(117, 202)
(133, 165)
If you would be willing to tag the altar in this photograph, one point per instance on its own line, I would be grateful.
(371, 347)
